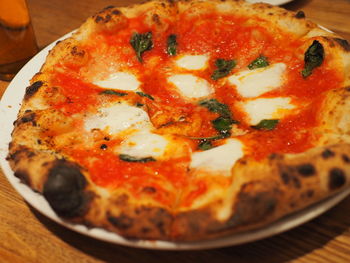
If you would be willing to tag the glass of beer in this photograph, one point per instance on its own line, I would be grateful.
(17, 39)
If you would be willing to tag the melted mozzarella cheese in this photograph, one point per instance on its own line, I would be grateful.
(221, 158)
(144, 144)
(192, 62)
(118, 118)
(120, 81)
(191, 86)
(266, 108)
(253, 83)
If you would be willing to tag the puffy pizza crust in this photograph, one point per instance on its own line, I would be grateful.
(261, 191)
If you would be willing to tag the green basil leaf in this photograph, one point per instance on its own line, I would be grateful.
(214, 106)
(132, 159)
(223, 125)
(259, 62)
(113, 92)
(313, 58)
(141, 43)
(138, 104)
(205, 145)
(216, 137)
(266, 125)
(224, 68)
(172, 45)
(142, 94)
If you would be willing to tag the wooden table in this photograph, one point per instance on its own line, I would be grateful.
(27, 236)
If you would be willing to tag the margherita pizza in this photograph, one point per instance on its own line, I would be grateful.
(187, 120)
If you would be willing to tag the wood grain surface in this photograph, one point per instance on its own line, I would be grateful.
(27, 236)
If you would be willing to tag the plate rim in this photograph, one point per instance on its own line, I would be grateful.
(9, 106)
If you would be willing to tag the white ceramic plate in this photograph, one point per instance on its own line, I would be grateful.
(9, 107)
(272, 2)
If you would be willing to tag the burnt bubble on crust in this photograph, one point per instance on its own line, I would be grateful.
(122, 222)
(306, 170)
(23, 176)
(32, 89)
(64, 189)
(326, 154)
(28, 117)
(300, 14)
(337, 178)
(253, 206)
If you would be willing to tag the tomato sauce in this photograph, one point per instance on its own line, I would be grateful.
(219, 36)
(79, 94)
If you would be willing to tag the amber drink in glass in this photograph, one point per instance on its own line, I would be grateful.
(17, 39)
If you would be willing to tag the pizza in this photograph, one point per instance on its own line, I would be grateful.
(187, 120)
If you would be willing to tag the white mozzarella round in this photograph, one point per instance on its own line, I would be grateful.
(120, 81)
(118, 118)
(266, 108)
(192, 62)
(143, 144)
(253, 83)
(191, 86)
(221, 158)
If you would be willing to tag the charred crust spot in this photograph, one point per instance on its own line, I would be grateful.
(19, 154)
(23, 176)
(156, 19)
(296, 182)
(27, 118)
(145, 230)
(292, 205)
(64, 189)
(275, 156)
(343, 43)
(149, 189)
(307, 194)
(300, 14)
(285, 177)
(306, 170)
(159, 219)
(242, 162)
(327, 154)
(76, 52)
(102, 19)
(336, 178)
(252, 207)
(345, 158)
(103, 146)
(288, 177)
(122, 222)
(32, 89)
(116, 12)
(98, 19)
(121, 200)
